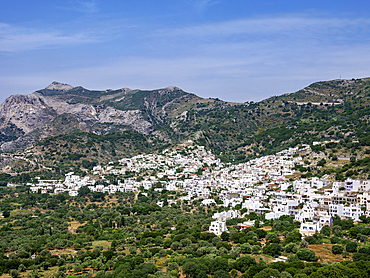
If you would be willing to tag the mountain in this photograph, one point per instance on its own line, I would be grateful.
(61, 108)
(76, 124)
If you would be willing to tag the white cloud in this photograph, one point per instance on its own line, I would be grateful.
(13, 39)
(228, 78)
(291, 25)
(87, 7)
(202, 5)
(240, 60)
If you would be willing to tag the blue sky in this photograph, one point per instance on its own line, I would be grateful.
(235, 50)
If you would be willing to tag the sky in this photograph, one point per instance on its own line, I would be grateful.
(236, 50)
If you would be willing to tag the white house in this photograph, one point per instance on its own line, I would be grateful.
(362, 199)
(217, 227)
(349, 212)
(352, 185)
(365, 186)
(252, 205)
(307, 212)
(225, 215)
(336, 186)
(309, 228)
(73, 193)
(319, 221)
(208, 202)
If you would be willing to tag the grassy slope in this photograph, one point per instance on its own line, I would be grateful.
(234, 132)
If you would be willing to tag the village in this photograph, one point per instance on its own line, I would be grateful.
(263, 186)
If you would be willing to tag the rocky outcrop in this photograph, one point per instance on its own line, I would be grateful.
(131, 118)
(84, 111)
(33, 117)
(26, 112)
(59, 87)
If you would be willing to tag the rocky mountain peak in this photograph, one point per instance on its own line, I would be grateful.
(62, 108)
(172, 88)
(59, 86)
(169, 89)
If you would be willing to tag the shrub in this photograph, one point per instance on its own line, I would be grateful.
(307, 255)
(351, 247)
(291, 248)
(337, 249)
(244, 263)
(273, 249)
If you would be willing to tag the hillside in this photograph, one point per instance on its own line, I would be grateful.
(62, 109)
(336, 109)
(92, 125)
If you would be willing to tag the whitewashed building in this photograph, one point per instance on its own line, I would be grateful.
(349, 212)
(218, 227)
(352, 185)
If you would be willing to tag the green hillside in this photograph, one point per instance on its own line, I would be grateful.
(337, 110)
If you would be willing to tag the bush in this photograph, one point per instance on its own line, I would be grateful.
(172, 266)
(337, 249)
(326, 230)
(219, 264)
(353, 232)
(256, 249)
(293, 237)
(307, 255)
(351, 247)
(14, 273)
(246, 248)
(271, 237)
(335, 240)
(243, 263)
(268, 272)
(221, 274)
(314, 239)
(273, 249)
(291, 248)
(253, 270)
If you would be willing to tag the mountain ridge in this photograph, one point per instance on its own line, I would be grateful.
(124, 109)
(336, 109)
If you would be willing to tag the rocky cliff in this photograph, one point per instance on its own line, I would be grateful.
(24, 119)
